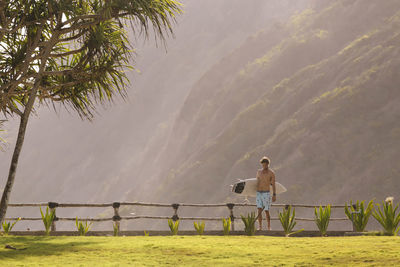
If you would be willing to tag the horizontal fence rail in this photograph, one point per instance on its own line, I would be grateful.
(158, 217)
(75, 205)
(117, 218)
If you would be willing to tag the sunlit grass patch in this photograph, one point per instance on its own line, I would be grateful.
(199, 251)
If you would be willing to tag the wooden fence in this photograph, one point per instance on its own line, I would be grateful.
(117, 218)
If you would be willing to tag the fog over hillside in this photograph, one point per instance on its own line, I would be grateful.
(321, 99)
(119, 155)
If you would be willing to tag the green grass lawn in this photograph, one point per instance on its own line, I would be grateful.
(200, 251)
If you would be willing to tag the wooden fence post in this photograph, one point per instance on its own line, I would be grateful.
(116, 218)
(230, 207)
(175, 217)
(52, 206)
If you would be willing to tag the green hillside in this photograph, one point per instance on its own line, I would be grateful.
(318, 95)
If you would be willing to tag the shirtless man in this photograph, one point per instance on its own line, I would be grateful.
(265, 178)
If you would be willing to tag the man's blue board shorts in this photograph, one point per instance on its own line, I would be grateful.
(263, 200)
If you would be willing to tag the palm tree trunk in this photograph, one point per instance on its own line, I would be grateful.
(17, 151)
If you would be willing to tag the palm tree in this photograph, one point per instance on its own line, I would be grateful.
(71, 52)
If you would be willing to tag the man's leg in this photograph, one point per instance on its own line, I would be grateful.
(268, 219)
(260, 218)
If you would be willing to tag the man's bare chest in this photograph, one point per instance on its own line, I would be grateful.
(265, 176)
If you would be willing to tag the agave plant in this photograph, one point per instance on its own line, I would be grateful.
(359, 214)
(199, 227)
(116, 229)
(249, 223)
(288, 221)
(146, 233)
(48, 219)
(388, 218)
(322, 217)
(8, 226)
(173, 226)
(226, 223)
(82, 228)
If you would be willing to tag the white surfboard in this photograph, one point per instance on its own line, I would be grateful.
(248, 187)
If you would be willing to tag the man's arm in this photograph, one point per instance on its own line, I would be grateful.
(273, 187)
(258, 179)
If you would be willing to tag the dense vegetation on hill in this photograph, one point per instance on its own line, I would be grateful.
(319, 95)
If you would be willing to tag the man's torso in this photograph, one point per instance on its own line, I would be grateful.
(264, 178)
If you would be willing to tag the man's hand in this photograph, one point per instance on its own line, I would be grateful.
(273, 198)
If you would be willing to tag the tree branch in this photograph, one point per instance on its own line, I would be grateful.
(74, 37)
(78, 26)
(28, 59)
(62, 54)
(68, 53)
(83, 17)
(3, 19)
(60, 86)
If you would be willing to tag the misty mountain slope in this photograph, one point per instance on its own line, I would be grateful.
(150, 166)
(65, 159)
(328, 121)
(221, 102)
(344, 140)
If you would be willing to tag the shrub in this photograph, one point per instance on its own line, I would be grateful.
(82, 228)
(199, 227)
(146, 233)
(322, 217)
(288, 221)
(48, 219)
(226, 223)
(388, 218)
(173, 226)
(7, 226)
(249, 223)
(359, 214)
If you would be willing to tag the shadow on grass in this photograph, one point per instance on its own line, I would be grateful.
(41, 246)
